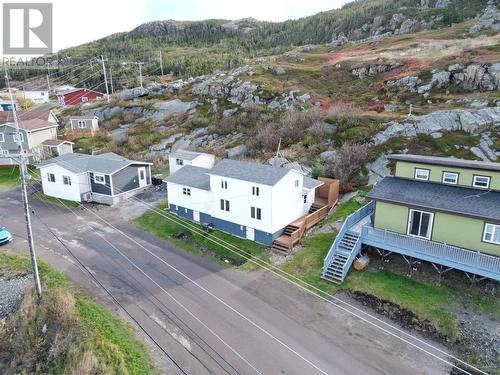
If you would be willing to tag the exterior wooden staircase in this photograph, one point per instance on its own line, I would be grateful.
(326, 197)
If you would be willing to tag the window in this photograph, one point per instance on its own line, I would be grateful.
(4, 152)
(141, 174)
(51, 177)
(2, 138)
(224, 205)
(491, 233)
(18, 137)
(179, 162)
(82, 124)
(85, 99)
(255, 213)
(255, 190)
(99, 179)
(420, 224)
(186, 191)
(481, 182)
(305, 198)
(450, 178)
(67, 180)
(296, 183)
(421, 174)
(223, 184)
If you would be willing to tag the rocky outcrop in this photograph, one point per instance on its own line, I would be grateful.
(475, 77)
(488, 19)
(338, 40)
(278, 70)
(441, 121)
(373, 69)
(130, 94)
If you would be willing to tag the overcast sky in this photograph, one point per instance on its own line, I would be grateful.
(77, 22)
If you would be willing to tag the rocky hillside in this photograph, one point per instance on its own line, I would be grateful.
(432, 92)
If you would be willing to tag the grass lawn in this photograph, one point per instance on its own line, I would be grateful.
(56, 201)
(80, 335)
(9, 177)
(193, 242)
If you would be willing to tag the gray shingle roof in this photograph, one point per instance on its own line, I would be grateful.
(311, 183)
(195, 177)
(450, 162)
(185, 154)
(434, 196)
(251, 172)
(78, 163)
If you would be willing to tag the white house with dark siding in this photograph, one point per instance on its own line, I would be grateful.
(105, 178)
(249, 200)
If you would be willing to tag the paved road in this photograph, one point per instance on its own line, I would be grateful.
(211, 319)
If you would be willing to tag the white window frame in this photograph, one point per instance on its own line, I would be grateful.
(2, 137)
(67, 180)
(447, 175)
(474, 182)
(97, 175)
(490, 228)
(223, 184)
(80, 122)
(50, 176)
(431, 222)
(224, 205)
(4, 152)
(85, 99)
(256, 213)
(255, 191)
(179, 162)
(296, 183)
(16, 139)
(424, 171)
(186, 191)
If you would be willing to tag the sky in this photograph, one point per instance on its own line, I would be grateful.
(76, 22)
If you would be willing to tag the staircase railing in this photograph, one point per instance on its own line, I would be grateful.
(354, 253)
(351, 220)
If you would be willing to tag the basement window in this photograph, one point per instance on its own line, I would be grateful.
(421, 174)
(491, 233)
(481, 182)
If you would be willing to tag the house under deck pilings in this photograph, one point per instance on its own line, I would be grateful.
(358, 230)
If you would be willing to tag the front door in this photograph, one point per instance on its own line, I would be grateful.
(250, 234)
(142, 176)
(196, 216)
(420, 224)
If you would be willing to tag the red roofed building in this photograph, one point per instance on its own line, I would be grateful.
(78, 96)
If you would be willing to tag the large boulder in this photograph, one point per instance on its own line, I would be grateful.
(130, 94)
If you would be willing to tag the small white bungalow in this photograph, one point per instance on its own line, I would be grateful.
(84, 123)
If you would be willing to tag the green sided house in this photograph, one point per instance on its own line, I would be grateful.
(442, 210)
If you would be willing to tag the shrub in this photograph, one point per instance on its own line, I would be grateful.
(317, 170)
(347, 161)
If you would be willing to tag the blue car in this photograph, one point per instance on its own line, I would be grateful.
(5, 236)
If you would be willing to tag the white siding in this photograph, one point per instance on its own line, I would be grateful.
(287, 201)
(37, 137)
(79, 183)
(203, 161)
(198, 200)
(37, 97)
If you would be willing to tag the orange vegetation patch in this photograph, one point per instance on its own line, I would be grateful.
(335, 57)
(410, 67)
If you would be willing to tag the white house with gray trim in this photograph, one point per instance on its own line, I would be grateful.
(248, 200)
(105, 178)
(181, 158)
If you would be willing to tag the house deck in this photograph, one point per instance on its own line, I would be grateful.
(357, 230)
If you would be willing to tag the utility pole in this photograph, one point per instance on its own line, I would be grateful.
(105, 77)
(48, 79)
(140, 72)
(161, 64)
(111, 81)
(22, 169)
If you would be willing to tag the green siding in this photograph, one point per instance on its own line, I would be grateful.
(453, 230)
(465, 176)
(391, 217)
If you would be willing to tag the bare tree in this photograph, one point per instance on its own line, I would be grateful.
(347, 161)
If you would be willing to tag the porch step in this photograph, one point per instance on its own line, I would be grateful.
(289, 230)
(280, 248)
